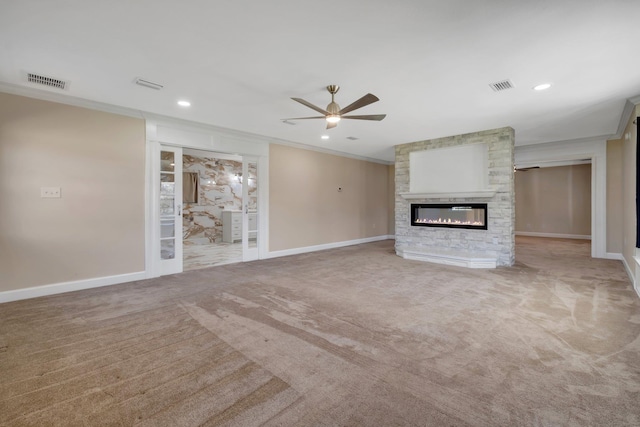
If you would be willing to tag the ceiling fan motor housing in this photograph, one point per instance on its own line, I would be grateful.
(333, 108)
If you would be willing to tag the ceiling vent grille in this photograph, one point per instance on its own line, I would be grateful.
(502, 85)
(46, 81)
(149, 84)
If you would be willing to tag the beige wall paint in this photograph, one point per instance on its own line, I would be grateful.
(391, 188)
(555, 200)
(306, 208)
(629, 192)
(98, 159)
(614, 196)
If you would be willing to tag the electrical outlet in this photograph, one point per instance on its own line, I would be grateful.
(50, 192)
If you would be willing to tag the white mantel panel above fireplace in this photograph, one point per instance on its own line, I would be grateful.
(469, 195)
(462, 169)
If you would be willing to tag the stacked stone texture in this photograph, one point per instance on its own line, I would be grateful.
(499, 238)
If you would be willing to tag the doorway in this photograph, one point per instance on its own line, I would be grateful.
(203, 209)
(554, 201)
(219, 203)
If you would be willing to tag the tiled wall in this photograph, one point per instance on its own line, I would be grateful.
(499, 239)
(219, 190)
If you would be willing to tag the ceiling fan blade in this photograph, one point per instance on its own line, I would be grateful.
(310, 105)
(377, 117)
(365, 100)
(304, 118)
(331, 125)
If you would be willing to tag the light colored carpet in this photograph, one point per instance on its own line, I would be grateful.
(348, 337)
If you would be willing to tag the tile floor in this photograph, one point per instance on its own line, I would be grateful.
(197, 256)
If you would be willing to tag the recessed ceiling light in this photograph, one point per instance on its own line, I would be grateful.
(543, 86)
(184, 103)
(324, 137)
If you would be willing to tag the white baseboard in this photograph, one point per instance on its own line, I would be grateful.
(633, 280)
(630, 274)
(614, 255)
(553, 235)
(307, 249)
(59, 288)
(447, 257)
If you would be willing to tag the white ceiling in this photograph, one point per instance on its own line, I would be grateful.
(429, 61)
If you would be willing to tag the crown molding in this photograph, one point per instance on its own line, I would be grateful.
(635, 100)
(551, 144)
(627, 112)
(61, 98)
(226, 132)
(46, 95)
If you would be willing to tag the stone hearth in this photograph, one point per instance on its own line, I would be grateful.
(465, 247)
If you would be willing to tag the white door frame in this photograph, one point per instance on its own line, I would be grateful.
(249, 254)
(589, 148)
(163, 132)
(158, 266)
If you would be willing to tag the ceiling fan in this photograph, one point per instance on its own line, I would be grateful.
(334, 113)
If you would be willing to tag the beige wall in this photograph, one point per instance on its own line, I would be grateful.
(306, 208)
(614, 196)
(554, 200)
(629, 192)
(98, 159)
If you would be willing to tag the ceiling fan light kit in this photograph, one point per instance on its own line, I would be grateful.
(333, 113)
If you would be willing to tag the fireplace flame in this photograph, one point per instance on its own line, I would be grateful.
(447, 221)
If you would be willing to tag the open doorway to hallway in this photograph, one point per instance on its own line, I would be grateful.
(555, 201)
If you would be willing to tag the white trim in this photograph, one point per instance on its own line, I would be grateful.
(78, 285)
(596, 150)
(225, 134)
(62, 98)
(448, 258)
(629, 109)
(263, 206)
(329, 151)
(614, 255)
(149, 215)
(630, 274)
(307, 249)
(479, 194)
(554, 235)
(168, 132)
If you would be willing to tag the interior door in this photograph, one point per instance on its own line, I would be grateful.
(250, 229)
(169, 183)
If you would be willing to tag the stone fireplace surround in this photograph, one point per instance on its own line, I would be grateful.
(469, 248)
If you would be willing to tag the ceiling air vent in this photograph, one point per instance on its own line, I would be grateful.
(502, 85)
(149, 84)
(47, 81)
(352, 138)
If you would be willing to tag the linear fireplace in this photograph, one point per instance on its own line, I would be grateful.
(451, 215)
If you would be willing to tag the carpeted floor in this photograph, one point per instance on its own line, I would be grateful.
(347, 337)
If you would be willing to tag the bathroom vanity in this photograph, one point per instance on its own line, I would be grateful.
(232, 226)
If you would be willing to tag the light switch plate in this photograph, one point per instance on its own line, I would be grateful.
(50, 192)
